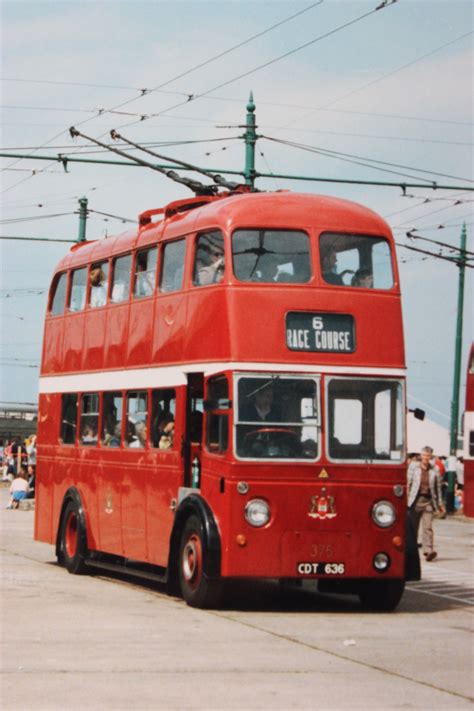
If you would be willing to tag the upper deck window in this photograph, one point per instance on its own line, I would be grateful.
(99, 280)
(121, 279)
(209, 259)
(271, 256)
(145, 273)
(77, 299)
(59, 297)
(277, 417)
(172, 269)
(356, 260)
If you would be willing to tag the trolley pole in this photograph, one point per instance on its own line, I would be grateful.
(451, 474)
(82, 219)
(250, 137)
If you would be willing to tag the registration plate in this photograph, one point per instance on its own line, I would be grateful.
(310, 568)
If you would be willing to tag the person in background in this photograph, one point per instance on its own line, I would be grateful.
(424, 498)
(18, 490)
(31, 451)
(31, 482)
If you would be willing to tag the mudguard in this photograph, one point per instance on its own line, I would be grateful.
(72, 494)
(195, 504)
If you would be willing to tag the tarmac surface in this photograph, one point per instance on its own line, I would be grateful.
(109, 642)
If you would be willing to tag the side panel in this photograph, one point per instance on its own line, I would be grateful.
(140, 331)
(95, 336)
(53, 345)
(73, 341)
(117, 333)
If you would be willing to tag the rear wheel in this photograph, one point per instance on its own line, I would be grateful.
(72, 549)
(197, 589)
(381, 595)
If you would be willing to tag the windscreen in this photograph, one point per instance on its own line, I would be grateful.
(365, 419)
(277, 417)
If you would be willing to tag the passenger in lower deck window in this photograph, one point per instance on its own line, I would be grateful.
(139, 439)
(114, 438)
(89, 435)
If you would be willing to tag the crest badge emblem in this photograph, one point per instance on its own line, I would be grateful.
(323, 474)
(322, 506)
(108, 502)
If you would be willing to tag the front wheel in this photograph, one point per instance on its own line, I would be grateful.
(381, 595)
(197, 589)
(72, 548)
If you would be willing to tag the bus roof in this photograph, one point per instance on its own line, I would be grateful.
(278, 210)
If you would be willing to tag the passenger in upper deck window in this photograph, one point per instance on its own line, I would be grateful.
(98, 282)
(213, 272)
(363, 278)
(329, 267)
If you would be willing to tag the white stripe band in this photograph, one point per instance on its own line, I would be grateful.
(169, 376)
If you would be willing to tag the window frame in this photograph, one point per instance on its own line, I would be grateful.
(263, 375)
(115, 258)
(84, 268)
(61, 422)
(136, 256)
(195, 270)
(91, 415)
(90, 286)
(53, 292)
(372, 239)
(162, 263)
(274, 282)
(364, 461)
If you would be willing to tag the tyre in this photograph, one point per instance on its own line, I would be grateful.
(196, 588)
(381, 595)
(72, 549)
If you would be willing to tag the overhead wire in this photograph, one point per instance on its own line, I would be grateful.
(160, 86)
(349, 156)
(389, 74)
(277, 59)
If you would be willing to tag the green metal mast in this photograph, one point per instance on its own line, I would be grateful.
(250, 138)
(457, 375)
(82, 219)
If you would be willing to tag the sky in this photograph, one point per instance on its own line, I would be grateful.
(392, 85)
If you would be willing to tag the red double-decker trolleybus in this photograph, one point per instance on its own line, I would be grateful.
(222, 395)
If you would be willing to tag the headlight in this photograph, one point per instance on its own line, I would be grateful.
(383, 514)
(257, 512)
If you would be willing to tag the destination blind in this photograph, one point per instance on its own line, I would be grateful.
(320, 332)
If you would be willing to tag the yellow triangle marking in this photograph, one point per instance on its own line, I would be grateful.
(323, 474)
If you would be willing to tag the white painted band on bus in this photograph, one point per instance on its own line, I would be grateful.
(173, 376)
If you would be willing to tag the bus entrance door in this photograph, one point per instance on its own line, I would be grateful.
(193, 432)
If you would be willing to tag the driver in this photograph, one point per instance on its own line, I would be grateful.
(262, 409)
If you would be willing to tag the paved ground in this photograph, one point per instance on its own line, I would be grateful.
(80, 642)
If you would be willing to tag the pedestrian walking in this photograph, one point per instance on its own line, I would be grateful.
(424, 498)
